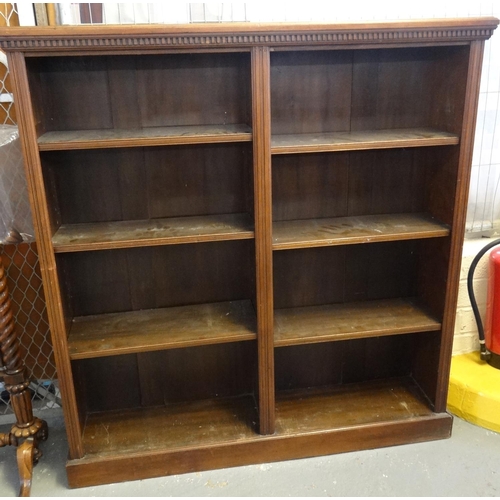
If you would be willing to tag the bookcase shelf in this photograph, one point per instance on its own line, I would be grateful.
(360, 140)
(231, 421)
(306, 325)
(352, 405)
(184, 425)
(157, 329)
(171, 231)
(153, 136)
(353, 230)
(170, 167)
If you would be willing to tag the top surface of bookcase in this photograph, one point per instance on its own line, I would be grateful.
(105, 38)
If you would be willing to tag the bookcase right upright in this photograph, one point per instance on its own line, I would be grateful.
(369, 157)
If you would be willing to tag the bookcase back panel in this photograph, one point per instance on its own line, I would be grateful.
(349, 184)
(147, 183)
(387, 181)
(426, 348)
(441, 182)
(345, 362)
(198, 373)
(334, 91)
(310, 186)
(434, 259)
(310, 91)
(101, 92)
(147, 278)
(165, 377)
(413, 87)
(327, 275)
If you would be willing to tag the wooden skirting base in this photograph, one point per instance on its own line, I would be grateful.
(96, 470)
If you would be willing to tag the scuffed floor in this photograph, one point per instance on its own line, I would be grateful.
(468, 464)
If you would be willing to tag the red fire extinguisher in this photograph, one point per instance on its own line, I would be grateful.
(489, 341)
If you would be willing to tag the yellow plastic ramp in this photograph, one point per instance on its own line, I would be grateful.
(474, 393)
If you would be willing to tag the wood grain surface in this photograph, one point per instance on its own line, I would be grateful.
(154, 136)
(309, 410)
(131, 279)
(353, 230)
(121, 184)
(157, 329)
(184, 425)
(175, 230)
(261, 95)
(359, 140)
(203, 423)
(304, 325)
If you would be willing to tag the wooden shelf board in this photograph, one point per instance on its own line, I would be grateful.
(366, 139)
(152, 136)
(313, 324)
(353, 230)
(170, 231)
(182, 425)
(319, 409)
(196, 425)
(158, 329)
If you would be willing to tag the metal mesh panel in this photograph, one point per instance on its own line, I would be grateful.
(28, 305)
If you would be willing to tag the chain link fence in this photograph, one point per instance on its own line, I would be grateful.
(21, 259)
(28, 304)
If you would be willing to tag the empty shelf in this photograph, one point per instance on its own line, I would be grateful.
(125, 234)
(350, 405)
(152, 136)
(353, 230)
(366, 139)
(177, 426)
(305, 325)
(197, 424)
(157, 329)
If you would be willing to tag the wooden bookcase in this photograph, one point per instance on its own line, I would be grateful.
(250, 235)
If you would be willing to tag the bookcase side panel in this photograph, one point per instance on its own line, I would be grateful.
(41, 220)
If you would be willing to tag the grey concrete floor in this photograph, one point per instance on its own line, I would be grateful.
(468, 464)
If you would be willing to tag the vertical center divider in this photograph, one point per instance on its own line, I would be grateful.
(261, 126)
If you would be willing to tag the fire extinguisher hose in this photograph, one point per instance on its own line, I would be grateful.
(485, 354)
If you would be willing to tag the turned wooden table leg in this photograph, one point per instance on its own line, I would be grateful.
(28, 430)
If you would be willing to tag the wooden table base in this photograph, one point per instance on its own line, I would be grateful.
(28, 430)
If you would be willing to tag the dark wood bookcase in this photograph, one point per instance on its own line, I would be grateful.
(250, 235)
